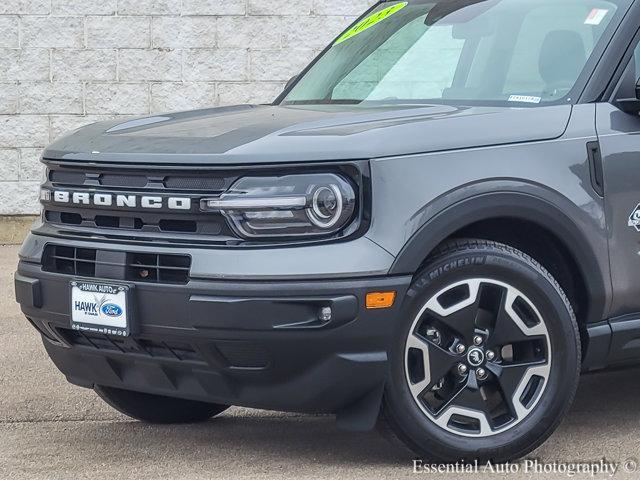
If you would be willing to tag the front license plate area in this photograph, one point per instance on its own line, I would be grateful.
(100, 308)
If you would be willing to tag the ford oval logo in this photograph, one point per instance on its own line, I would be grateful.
(111, 310)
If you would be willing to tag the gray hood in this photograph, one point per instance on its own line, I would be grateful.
(269, 134)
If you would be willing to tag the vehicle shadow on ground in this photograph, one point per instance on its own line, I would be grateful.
(255, 435)
(615, 390)
(275, 437)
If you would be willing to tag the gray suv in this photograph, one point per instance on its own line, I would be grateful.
(434, 229)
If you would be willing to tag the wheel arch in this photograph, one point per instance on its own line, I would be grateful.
(452, 221)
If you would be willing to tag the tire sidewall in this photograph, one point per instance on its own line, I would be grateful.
(517, 270)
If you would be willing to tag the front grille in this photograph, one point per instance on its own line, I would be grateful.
(113, 265)
(166, 350)
(140, 224)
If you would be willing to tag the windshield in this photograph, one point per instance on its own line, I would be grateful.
(452, 51)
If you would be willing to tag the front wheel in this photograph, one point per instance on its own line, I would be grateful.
(486, 358)
(158, 409)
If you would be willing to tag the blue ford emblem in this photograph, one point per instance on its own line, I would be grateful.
(111, 310)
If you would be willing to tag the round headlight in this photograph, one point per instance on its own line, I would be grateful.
(326, 206)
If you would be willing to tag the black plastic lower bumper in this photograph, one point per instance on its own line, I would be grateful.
(255, 344)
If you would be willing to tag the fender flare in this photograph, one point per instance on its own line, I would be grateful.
(518, 205)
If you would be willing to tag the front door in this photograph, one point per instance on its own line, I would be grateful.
(619, 136)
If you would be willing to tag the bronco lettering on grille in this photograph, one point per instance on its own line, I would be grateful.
(121, 200)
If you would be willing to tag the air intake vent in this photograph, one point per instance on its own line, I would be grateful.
(239, 354)
(151, 267)
(137, 267)
(167, 350)
(69, 260)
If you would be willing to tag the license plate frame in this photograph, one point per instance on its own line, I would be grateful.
(100, 307)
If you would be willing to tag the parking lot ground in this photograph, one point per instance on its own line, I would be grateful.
(52, 430)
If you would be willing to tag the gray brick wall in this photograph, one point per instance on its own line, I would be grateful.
(66, 63)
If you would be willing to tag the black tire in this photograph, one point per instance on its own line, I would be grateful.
(150, 408)
(404, 416)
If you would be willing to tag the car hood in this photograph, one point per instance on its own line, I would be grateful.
(270, 134)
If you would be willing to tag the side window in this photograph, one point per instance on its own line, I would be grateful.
(543, 27)
(627, 85)
(636, 57)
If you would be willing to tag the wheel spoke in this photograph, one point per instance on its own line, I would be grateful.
(510, 379)
(452, 398)
(461, 315)
(505, 332)
(467, 402)
(462, 322)
(509, 328)
(467, 397)
(437, 363)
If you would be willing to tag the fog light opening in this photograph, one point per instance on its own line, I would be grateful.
(325, 314)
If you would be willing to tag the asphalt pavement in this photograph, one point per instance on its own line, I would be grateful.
(50, 429)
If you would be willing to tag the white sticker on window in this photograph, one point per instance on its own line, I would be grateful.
(596, 16)
(524, 98)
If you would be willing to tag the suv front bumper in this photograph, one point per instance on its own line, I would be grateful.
(248, 343)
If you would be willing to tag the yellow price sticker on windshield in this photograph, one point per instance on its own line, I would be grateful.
(370, 21)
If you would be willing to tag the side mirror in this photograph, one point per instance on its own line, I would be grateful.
(631, 105)
(291, 81)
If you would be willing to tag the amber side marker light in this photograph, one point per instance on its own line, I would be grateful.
(380, 299)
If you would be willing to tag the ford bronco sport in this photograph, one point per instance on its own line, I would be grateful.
(434, 229)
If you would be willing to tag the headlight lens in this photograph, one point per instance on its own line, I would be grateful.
(287, 206)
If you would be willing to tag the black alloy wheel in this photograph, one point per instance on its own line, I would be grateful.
(486, 358)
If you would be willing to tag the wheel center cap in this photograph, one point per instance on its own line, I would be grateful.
(475, 357)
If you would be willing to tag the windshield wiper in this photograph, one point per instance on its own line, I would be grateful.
(326, 101)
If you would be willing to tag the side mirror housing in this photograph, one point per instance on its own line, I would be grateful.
(291, 81)
(631, 105)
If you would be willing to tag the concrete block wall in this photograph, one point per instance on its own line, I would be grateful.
(66, 63)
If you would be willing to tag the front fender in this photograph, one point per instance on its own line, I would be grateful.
(550, 215)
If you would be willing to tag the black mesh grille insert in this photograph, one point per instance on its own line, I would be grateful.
(195, 183)
(63, 217)
(68, 177)
(178, 226)
(112, 180)
(107, 221)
